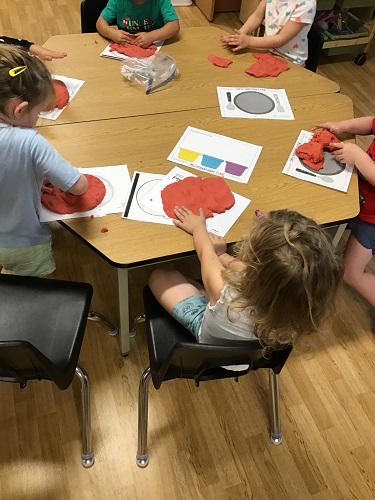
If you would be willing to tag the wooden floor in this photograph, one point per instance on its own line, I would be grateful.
(207, 442)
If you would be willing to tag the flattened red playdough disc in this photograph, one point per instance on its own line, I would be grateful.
(62, 93)
(312, 152)
(65, 203)
(132, 50)
(221, 62)
(267, 65)
(213, 195)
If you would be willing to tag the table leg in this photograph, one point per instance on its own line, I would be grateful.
(339, 232)
(123, 298)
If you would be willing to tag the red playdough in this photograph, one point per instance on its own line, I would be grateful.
(267, 65)
(65, 203)
(312, 152)
(62, 93)
(213, 195)
(132, 50)
(221, 62)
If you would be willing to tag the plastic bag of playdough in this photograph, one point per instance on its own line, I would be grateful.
(152, 73)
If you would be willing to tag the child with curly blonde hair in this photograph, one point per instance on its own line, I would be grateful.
(280, 283)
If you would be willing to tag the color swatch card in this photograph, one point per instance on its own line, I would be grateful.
(116, 180)
(73, 87)
(334, 174)
(145, 203)
(250, 102)
(216, 154)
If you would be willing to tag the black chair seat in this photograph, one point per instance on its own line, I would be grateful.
(315, 40)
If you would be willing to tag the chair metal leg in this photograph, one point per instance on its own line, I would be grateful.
(138, 319)
(95, 316)
(276, 434)
(142, 455)
(87, 457)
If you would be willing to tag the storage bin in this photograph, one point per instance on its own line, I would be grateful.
(181, 3)
(357, 30)
(348, 49)
(348, 4)
(325, 4)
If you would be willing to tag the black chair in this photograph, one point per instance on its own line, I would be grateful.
(174, 353)
(90, 12)
(42, 323)
(315, 40)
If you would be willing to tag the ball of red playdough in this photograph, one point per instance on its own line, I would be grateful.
(61, 92)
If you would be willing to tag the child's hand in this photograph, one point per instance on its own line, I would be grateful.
(239, 41)
(143, 40)
(119, 36)
(335, 128)
(45, 54)
(188, 221)
(345, 152)
(219, 243)
(45, 188)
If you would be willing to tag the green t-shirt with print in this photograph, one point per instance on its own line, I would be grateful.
(133, 18)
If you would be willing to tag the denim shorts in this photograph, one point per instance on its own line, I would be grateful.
(364, 232)
(190, 311)
(28, 261)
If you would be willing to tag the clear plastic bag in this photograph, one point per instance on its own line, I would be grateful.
(151, 72)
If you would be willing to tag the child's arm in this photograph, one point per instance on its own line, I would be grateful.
(252, 24)
(358, 126)
(211, 265)
(45, 54)
(287, 33)
(348, 152)
(80, 186)
(111, 32)
(169, 30)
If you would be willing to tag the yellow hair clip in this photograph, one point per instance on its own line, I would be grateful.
(17, 70)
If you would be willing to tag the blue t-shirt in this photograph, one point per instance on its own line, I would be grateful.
(133, 18)
(26, 158)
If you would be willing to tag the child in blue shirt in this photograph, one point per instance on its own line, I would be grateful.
(26, 159)
(139, 22)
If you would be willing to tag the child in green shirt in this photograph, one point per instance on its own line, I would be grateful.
(139, 22)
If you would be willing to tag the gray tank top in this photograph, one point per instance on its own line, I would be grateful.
(217, 328)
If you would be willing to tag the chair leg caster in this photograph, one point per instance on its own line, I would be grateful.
(87, 461)
(95, 316)
(277, 438)
(138, 319)
(142, 461)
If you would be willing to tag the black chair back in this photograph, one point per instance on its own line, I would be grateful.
(90, 12)
(42, 323)
(315, 41)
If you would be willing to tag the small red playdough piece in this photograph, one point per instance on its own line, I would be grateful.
(213, 195)
(221, 62)
(62, 93)
(267, 65)
(104, 230)
(132, 50)
(66, 203)
(312, 152)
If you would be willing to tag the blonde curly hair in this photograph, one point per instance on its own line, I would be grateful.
(290, 278)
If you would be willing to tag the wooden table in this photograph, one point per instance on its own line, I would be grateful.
(107, 94)
(144, 144)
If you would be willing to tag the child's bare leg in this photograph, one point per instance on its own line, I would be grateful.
(356, 258)
(170, 287)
